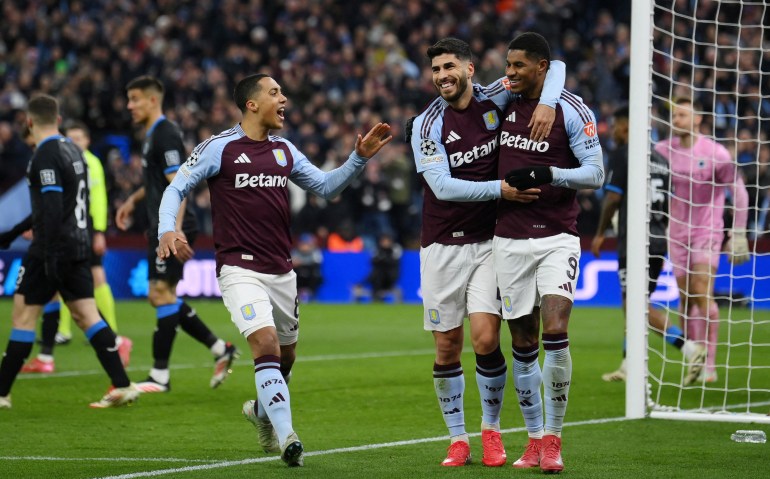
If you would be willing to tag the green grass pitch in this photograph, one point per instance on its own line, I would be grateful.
(362, 401)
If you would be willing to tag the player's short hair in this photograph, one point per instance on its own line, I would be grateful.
(534, 45)
(44, 109)
(77, 125)
(145, 83)
(247, 88)
(453, 46)
(697, 108)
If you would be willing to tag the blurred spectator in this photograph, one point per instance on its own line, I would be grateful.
(346, 65)
(307, 258)
(345, 239)
(382, 282)
(14, 156)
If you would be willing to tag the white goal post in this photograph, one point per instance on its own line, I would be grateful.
(695, 50)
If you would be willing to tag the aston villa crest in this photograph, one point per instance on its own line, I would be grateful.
(491, 120)
(280, 157)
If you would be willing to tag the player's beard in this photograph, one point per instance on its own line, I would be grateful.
(462, 85)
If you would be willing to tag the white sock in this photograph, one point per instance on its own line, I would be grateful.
(449, 383)
(527, 379)
(557, 374)
(46, 358)
(160, 376)
(491, 375)
(273, 395)
(218, 348)
(261, 413)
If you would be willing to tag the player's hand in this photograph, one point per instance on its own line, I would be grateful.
(51, 268)
(508, 192)
(530, 177)
(596, 245)
(124, 214)
(378, 136)
(738, 248)
(184, 251)
(167, 245)
(99, 243)
(541, 122)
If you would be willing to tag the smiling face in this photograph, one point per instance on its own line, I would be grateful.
(526, 75)
(269, 104)
(451, 76)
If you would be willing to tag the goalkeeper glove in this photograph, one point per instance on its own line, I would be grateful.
(738, 247)
(530, 177)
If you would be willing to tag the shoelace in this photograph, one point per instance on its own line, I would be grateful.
(494, 442)
(551, 450)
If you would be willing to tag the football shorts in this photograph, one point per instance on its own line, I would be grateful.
(258, 300)
(75, 281)
(703, 249)
(655, 266)
(456, 280)
(528, 269)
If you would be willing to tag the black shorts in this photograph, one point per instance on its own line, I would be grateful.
(170, 270)
(75, 281)
(655, 265)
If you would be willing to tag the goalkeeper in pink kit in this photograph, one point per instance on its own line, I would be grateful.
(702, 171)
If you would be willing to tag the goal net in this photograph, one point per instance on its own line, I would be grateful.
(716, 56)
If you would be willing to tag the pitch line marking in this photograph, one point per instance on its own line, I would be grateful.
(300, 359)
(366, 447)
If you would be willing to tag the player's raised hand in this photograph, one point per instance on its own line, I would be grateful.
(378, 136)
(167, 245)
(541, 122)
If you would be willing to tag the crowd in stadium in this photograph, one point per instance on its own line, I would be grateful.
(344, 66)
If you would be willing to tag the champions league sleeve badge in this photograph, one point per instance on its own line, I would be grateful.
(428, 147)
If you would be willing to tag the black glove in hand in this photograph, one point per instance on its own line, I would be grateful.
(530, 177)
(51, 268)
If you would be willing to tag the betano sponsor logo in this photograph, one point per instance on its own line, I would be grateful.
(243, 180)
(523, 143)
(466, 157)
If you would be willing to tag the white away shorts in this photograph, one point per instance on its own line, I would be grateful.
(456, 280)
(257, 300)
(528, 269)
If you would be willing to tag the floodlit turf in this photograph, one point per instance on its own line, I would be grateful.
(363, 404)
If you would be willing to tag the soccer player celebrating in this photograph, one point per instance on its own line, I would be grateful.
(702, 171)
(536, 245)
(614, 199)
(59, 256)
(247, 170)
(162, 154)
(455, 146)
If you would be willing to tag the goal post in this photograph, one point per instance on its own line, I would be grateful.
(718, 53)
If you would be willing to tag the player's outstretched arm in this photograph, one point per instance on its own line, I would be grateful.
(372, 142)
